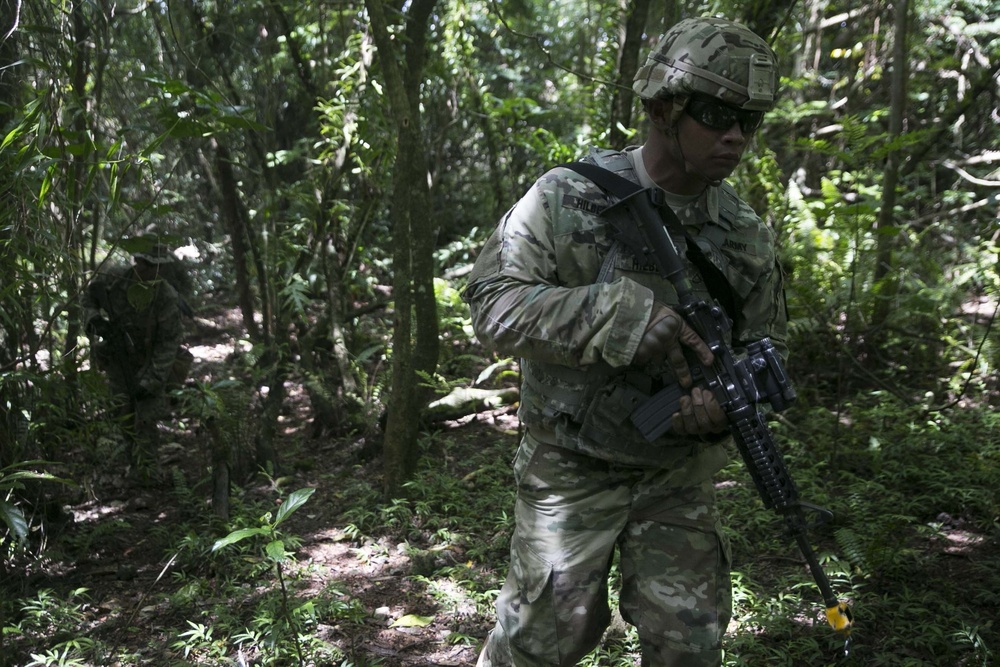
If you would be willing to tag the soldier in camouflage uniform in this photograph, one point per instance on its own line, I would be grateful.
(588, 321)
(133, 319)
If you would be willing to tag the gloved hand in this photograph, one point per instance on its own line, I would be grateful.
(699, 414)
(97, 326)
(665, 333)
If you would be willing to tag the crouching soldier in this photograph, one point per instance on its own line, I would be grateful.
(133, 319)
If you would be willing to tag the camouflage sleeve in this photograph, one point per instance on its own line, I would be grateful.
(167, 339)
(764, 313)
(533, 291)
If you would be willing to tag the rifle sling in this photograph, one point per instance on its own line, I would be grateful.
(619, 187)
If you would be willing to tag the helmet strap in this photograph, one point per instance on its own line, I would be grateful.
(671, 130)
(689, 167)
(680, 103)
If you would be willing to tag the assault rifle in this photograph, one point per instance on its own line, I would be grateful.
(739, 386)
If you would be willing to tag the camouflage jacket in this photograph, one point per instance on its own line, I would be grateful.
(145, 328)
(535, 293)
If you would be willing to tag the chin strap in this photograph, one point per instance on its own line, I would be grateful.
(689, 168)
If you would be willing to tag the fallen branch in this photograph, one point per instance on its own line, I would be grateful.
(463, 401)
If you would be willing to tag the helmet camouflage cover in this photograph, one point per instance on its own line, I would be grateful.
(713, 57)
(158, 253)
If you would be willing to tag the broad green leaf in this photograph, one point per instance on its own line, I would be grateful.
(296, 293)
(114, 150)
(237, 536)
(78, 149)
(275, 551)
(185, 129)
(14, 518)
(294, 501)
(11, 136)
(37, 476)
(367, 353)
(114, 183)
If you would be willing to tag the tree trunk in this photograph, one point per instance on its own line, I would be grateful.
(419, 205)
(265, 453)
(885, 278)
(232, 215)
(637, 13)
(247, 247)
(223, 177)
(671, 15)
(77, 208)
(807, 58)
(415, 341)
(10, 204)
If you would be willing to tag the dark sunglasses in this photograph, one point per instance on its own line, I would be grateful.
(719, 116)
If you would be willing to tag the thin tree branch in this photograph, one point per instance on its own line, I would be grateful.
(17, 21)
(539, 40)
(301, 66)
(975, 362)
(969, 177)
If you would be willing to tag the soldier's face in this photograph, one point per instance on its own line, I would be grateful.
(711, 152)
(698, 154)
(145, 270)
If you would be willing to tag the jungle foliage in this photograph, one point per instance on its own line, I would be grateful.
(330, 170)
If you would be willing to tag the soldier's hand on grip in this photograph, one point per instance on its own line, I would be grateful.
(699, 414)
(665, 333)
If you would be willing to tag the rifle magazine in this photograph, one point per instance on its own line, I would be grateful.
(652, 418)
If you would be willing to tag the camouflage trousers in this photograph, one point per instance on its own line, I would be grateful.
(139, 415)
(140, 412)
(572, 512)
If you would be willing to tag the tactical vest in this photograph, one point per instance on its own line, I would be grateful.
(587, 408)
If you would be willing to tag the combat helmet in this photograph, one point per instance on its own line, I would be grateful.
(713, 57)
(158, 253)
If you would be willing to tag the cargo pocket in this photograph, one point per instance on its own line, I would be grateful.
(533, 572)
(528, 616)
(555, 615)
(522, 458)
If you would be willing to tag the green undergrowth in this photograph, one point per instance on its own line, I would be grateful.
(225, 594)
(912, 546)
